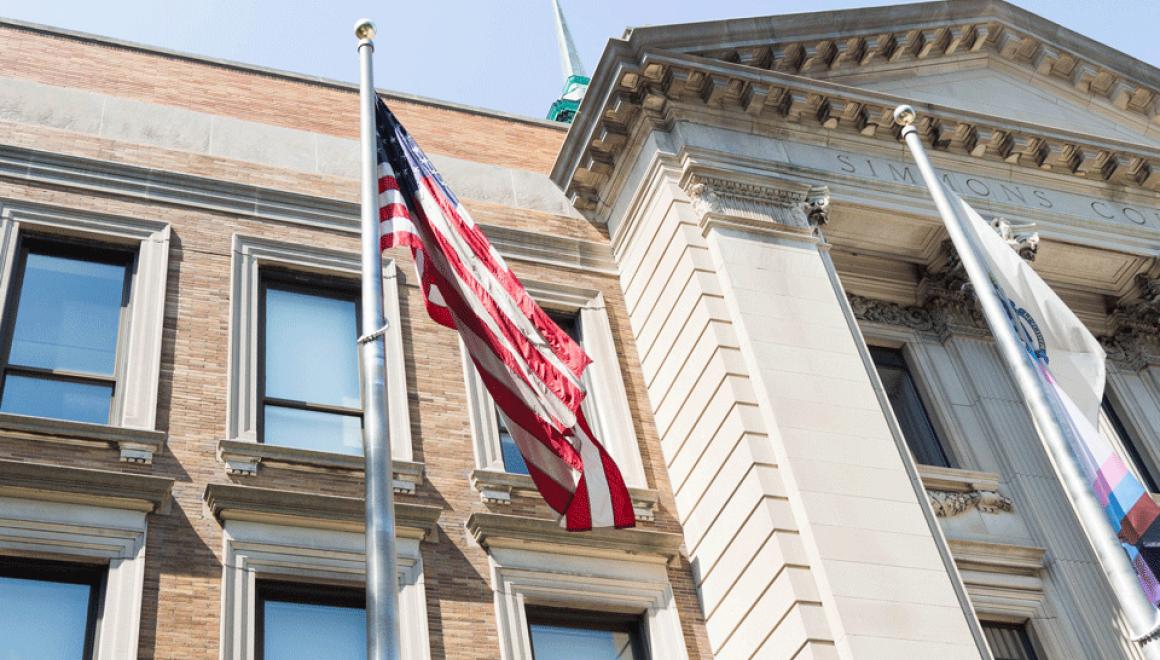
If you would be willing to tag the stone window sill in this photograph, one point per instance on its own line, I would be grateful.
(493, 530)
(135, 445)
(952, 491)
(496, 487)
(243, 458)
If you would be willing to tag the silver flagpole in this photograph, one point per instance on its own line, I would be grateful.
(1142, 616)
(382, 580)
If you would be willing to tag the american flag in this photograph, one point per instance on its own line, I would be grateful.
(531, 367)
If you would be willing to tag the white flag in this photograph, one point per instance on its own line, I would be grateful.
(1070, 365)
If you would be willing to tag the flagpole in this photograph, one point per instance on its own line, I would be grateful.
(1142, 616)
(382, 581)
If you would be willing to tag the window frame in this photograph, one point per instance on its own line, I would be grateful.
(43, 570)
(286, 280)
(1023, 630)
(562, 617)
(904, 354)
(1126, 442)
(303, 593)
(133, 422)
(240, 450)
(66, 248)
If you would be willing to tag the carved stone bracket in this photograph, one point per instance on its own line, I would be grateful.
(798, 209)
(1024, 242)
(1134, 340)
(949, 504)
(888, 313)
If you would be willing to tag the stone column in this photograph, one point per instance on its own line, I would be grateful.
(802, 521)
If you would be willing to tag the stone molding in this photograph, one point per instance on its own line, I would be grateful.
(873, 310)
(242, 458)
(73, 485)
(493, 530)
(723, 199)
(135, 445)
(233, 502)
(1134, 340)
(953, 491)
(496, 487)
(778, 81)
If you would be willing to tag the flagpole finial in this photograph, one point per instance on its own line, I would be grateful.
(904, 115)
(364, 29)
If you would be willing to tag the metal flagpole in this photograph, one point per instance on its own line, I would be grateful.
(1142, 615)
(382, 580)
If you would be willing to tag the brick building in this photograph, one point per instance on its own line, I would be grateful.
(825, 454)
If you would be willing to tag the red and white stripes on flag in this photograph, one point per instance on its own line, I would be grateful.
(531, 367)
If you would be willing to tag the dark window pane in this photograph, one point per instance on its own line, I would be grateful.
(313, 429)
(916, 427)
(569, 323)
(513, 461)
(1120, 431)
(311, 354)
(1009, 642)
(296, 630)
(56, 398)
(45, 618)
(69, 314)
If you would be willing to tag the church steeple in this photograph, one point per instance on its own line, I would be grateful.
(575, 79)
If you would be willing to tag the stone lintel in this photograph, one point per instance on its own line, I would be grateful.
(492, 530)
(135, 445)
(74, 485)
(233, 502)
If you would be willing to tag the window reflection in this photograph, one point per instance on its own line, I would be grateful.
(571, 635)
(310, 387)
(62, 353)
(48, 610)
(308, 622)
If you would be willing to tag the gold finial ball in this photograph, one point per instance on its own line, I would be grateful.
(904, 115)
(364, 29)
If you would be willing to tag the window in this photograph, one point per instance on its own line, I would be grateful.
(64, 325)
(1114, 429)
(298, 621)
(1009, 641)
(50, 608)
(559, 634)
(582, 314)
(310, 395)
(912, 417)
(513, 461)
(303, 406)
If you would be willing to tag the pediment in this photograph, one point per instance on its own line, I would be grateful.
(996, 88)
(984, 56)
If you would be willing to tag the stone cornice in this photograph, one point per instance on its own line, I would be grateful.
(645, 80)
(495, 530)
(74, 485)
(231, 502)
(207, 194)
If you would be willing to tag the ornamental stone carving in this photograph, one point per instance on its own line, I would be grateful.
(880, 311)
(755, 202)
(1025, 243)
(947, 504)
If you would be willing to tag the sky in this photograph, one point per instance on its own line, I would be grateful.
(497, 54)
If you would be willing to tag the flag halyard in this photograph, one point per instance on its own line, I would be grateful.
(529, 365)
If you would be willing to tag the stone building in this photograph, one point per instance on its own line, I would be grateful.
(825, 453)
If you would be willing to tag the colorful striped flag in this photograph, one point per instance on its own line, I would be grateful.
(1070, 364)
(531, 367)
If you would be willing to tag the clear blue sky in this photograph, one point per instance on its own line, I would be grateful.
(497, 54)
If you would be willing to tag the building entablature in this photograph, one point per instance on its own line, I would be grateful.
(645, 83)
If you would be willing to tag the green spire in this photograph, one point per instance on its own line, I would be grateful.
(575, 79)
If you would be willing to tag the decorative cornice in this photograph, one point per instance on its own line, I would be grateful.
(947, 505)
(794, 207)
(953, 491)
(231, 502)
(135, 445)
(872, 310)
(653, 87)
(493, 530)
(74, 485)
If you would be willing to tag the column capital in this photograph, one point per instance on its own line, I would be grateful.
(792, 206)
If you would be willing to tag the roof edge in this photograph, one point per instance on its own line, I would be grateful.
(243, 67)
